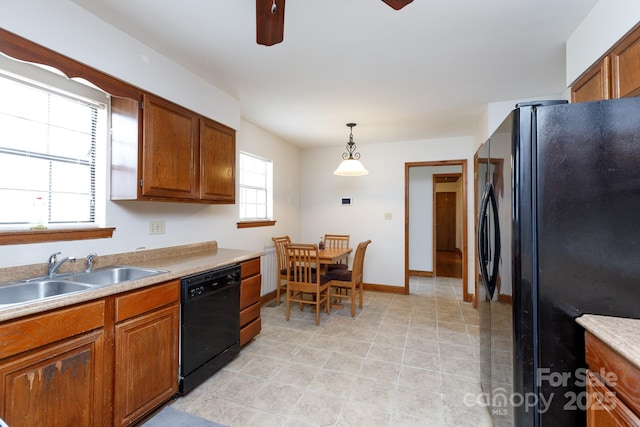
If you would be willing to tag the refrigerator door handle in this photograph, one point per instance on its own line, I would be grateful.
(484, 222)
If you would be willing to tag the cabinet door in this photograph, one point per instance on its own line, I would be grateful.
(594, 85)
(125, 120)
(217, 162)
(168, 150)
(625, 66)
(56, 386)
(146, 363)
(604, 408)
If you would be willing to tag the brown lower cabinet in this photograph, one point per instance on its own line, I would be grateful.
(106, 362)
(250, 322)
(52, 368)
(613, 386)
(146, 351)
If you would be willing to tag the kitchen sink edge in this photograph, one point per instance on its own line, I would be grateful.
(193, 258)
(60, 285)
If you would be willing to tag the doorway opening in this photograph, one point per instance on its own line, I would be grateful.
(447, 225)
(423, 246)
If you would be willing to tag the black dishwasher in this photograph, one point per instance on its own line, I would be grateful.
(209, 324)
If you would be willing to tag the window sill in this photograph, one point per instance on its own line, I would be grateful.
(251, 224)
(21, 237)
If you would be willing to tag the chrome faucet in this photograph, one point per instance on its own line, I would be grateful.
(90, 259)
(54, 264)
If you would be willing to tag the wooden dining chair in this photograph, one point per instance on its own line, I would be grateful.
(304, 280)
(281, 273)
(350, 280)
(337, 241)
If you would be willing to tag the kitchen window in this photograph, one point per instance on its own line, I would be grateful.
(256, 189)
(52, 149)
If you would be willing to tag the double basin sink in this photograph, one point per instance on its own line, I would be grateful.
(36, 289)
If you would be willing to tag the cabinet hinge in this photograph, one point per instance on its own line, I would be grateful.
(142, 105)
(140, 182)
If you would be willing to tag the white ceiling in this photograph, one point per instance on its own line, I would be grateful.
(421, 72)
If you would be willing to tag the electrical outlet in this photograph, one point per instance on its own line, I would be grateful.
(156, 227)
(387, 215)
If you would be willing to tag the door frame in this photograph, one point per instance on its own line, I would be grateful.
(465, 274)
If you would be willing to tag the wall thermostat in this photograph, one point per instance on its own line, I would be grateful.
(345, 201)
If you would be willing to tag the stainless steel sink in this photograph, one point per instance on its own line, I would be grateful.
(45, 287)
(32, 291)
(114, 275)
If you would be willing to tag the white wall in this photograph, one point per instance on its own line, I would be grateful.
(83, 37)
(373, 195)
(607, 22)
(65, 27)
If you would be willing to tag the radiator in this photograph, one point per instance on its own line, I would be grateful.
(268, 268)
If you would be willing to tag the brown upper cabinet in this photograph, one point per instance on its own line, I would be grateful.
(616, 75)
(594, 85)
(217, 162)
(172, 154)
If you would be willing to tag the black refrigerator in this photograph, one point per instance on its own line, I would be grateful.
(558, 236)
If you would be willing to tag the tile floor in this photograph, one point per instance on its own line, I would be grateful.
(403, 361)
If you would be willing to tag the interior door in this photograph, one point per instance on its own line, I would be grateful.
(446, 221)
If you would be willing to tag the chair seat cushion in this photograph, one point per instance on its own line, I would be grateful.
(283, 272)
(324, 278)
(337, 267)
(340, 274)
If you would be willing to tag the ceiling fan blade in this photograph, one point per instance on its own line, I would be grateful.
(269, 21)
(397, 4)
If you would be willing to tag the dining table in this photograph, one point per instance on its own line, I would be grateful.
(328, 256)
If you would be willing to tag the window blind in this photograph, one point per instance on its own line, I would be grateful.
(47, 150)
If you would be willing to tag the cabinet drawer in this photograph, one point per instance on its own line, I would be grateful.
(22, 335)
(250, 268)
(147, 299)
(250, 291)
(250, 313)
(604, 361)
(250, 331)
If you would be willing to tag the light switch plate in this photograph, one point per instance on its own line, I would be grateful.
(156, 227)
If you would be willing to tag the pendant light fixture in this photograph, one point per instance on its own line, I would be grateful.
(351, 165)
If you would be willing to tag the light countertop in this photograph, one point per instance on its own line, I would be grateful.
(180, 261)
(621, 334)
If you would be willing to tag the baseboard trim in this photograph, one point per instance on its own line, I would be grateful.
(268, 297)
(505, 299)
(264, 299)
(420, 273)
(384, 288)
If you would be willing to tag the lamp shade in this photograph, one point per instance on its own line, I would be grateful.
(350, 167)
